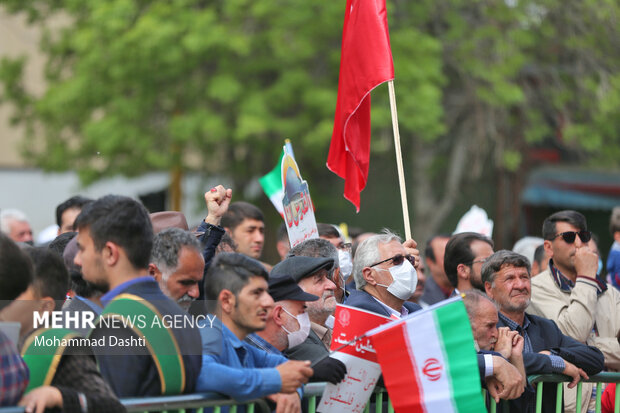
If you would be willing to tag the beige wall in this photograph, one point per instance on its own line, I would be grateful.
(16, 39)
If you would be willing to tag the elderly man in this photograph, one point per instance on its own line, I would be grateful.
(569, 292)
(311, 274)
(506, 277)
(288, 324)
(14, 223)
(385, 277)
(482, 313)
(177, 265)
(463, 259)
(324, 248)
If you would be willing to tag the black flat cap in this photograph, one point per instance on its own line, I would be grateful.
(298, 267)
(285, 288)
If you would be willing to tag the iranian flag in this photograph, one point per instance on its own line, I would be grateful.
(272, 182)
(429, 362)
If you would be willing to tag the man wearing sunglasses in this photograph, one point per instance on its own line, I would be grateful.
(385, 277)
(570, 293)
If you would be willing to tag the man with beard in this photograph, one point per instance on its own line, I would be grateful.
(463, 259)
(506, 277)
(312, 275)
(569, 292)
(177, 265)
(115, 237)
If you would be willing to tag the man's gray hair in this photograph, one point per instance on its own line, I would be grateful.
(167, 247)
(316, 247)
(494, 263)
(367, 253)
(9, 215)
(472, 299)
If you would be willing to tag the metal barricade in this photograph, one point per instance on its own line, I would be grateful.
(380, 403)
(537, 381)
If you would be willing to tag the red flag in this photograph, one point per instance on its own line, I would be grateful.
(365, 63)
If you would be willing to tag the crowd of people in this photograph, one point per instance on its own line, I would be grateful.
(123, 303)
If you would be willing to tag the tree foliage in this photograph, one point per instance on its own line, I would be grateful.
(139, 85)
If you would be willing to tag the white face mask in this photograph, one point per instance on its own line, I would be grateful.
(405, 280)
(295, 338)
(346, 265)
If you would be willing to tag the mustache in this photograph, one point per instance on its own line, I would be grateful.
(185, 299)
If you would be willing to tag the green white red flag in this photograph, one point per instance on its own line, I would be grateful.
(272, 181)
(429, 362)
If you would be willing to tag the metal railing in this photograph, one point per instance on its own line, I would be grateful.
(380, 402)
(537, 380)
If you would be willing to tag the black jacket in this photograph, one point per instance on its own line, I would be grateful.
(361, 299)
(544, 334)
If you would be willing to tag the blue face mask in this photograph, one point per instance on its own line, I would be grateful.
(600, 266)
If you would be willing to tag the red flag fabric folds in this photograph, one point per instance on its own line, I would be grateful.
(365, 63)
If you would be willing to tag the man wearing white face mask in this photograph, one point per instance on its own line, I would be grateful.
(312, 275)
(288, 324)
(385, 277)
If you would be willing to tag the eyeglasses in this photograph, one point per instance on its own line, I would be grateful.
(482, 261)
(397, 260)
(569, 236)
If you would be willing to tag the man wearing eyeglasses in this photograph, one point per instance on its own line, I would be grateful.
(570, 293)
(385, 277)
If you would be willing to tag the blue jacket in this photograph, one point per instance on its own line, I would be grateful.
(235, 368)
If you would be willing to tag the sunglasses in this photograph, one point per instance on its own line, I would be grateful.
(569, 236)
(397, 260)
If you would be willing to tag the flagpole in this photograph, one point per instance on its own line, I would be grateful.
(399, 159)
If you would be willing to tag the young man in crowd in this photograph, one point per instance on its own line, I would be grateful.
(465, 253)
(236, 292)
(569, 292)
(67, 212)
(246, 225)
(69, 380)
(115, 239)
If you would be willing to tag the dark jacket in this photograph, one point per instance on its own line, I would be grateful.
(311, 349)
(544, 334)
(361, 299)
(131, 371)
